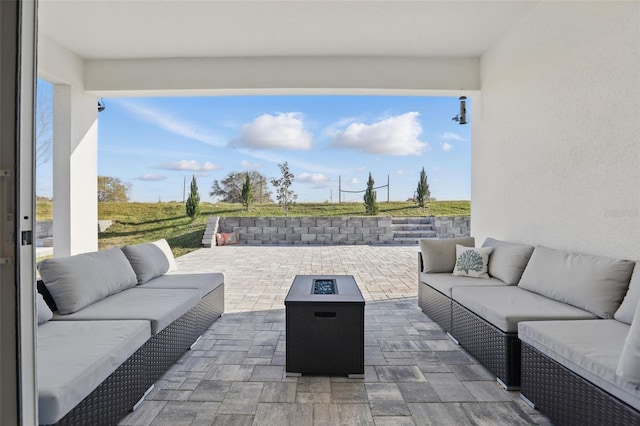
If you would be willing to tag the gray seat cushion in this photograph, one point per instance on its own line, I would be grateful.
(74, 357)
(591, 349)
(507, 260)
(594, 283)
(506, 306)
(160, 306)
(444, 282)
(205, 282)
(78, 281)
(627, 309)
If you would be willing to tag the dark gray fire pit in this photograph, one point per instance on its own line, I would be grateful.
(325, 326)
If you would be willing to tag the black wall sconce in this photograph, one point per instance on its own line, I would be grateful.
(462, 117)
(101, 105)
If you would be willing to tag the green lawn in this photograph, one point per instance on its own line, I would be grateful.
(142, 222)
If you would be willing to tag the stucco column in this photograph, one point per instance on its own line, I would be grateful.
(75, 171)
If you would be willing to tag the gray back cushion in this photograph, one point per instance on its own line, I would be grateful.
(42, 309)
(440, 255)
(148, 260)
(78, 281)
(594, 283)
(628, 308)
(507, 260)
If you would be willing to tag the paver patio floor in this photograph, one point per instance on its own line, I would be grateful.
(414, 375)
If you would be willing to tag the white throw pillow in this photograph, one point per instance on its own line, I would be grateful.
(472, 262)
(629, 363)
(164, 246)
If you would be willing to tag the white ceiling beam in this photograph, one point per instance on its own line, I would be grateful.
(282, 75)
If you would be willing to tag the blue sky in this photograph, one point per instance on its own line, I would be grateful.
(154, 143)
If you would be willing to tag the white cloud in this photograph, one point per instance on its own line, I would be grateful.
(170, 123)
(354, 181)
(190, 165)
(450, 136)
(249, 166)
(400, 172)
(151, 177)
(361, 169)
(397, 135)
(293, 162)
(283, 131)
(315, 178)
(446, 146)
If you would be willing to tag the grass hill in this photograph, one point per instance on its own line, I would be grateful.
(141, 222)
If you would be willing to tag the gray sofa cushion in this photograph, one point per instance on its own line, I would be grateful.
(160, 306)
(74, 357)
(506, 306)
(440, 255)
(42, 309)
(205, 282)
(508, 260)
(164, 246)
(444, 282)
(78, 281)
(148, 261)
(594, 283)
(589, 348)
(627, 309)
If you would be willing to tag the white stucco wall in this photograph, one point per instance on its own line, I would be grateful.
(75, 151)
(556, 131)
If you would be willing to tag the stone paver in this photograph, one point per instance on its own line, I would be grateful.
(235, 374)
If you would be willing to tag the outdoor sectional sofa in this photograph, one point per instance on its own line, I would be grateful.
(110, 324)
(555, 324)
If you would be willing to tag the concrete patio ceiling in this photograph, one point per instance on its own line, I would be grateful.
(146, 29)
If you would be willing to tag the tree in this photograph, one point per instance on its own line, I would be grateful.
(247, 192)
(422, 193)
(193, 202)
(370, 203)
(112, 190)
(229, 189)
(43, 125)
(284, 195)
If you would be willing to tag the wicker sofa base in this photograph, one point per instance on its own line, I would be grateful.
(210, 308)
(115, 397)
(498, 351)
(568, 399)
(436, 305)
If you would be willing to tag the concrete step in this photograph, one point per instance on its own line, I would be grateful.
(411, 227)
(407, 241)
(412, 220)
(418, 234)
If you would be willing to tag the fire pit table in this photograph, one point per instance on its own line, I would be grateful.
(325, 326)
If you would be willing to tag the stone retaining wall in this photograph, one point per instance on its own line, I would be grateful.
(308, 230)
(452, 226)
(327, 230)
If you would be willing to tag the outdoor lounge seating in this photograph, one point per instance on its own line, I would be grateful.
(564, 307)
(121, 318)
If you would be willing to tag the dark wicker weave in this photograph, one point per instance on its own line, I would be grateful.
(498, 351)
(114, 398)
(568, 399)
(168, 345)
(436, 305)
(210, 308)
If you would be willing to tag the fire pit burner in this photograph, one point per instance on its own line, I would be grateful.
(324, 287)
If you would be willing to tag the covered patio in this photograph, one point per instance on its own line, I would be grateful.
(414, 375)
